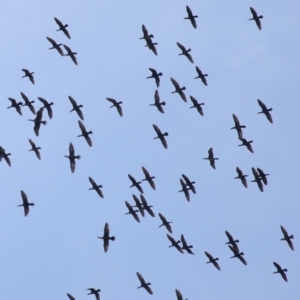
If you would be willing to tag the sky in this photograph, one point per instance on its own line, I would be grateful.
(55, 249)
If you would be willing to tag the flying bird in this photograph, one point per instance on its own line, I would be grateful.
(5, 155)
(146, 206)
(25, 204)
(29, 75)
(55, 46)
(146, 35)
(185, 245)
(189, 184)
(265, 110)
(263, 176)
(85, 133)
(256, 18)
(191, 17)
(71, 54)
(184, 189)
(211, 158)
(62, 27)
(28, 103)
(212, 260)
(132, 212)
(76, 108)
(16, 105)
(38, 121)
(197, 105)
(201, 76)
(47, 105)
(280, 271)
(106, 237)
(138, 204)
(144, 284)
(155, 75)
(117, 105)
(178, 89)
(161, 136)
(165, 223)
(159, 105)
(135, 183)
(175, 244)
(185, 52)
(96, 187)
(287, 237)
(148, 178)
(72, 157)
(237, 126)
(231, 240)
(35, 149)
(257, 179)
(94, 292)
(237, 253)
(242, 177)
(246, 143)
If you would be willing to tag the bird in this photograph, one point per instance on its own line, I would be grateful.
(148, 178)
(287, 237)
(76, 108)
(94, 292)
(197, 105)
(263, 176)
(212, 260)
(159, 105)
(146, 35)
(138, 204)
(178, 89)
(85, 133)
(71, 54)
(55, 46)
(256, 18)
(231, 240)
(265, 110)
(155, 75)
(189, 184)
(29, 75)
(117, 105)
(28, 103)
(135, 183)
(237, 126)
(211, 158)
(280, 271)
(161, 136)
(184, 189)
(96, 187)
(35, 149)
(16, 105)
(25, 204)
(185, 245)
(132, 212)
(144, 284)
(72, 157)
(257, 179)
(38, 121)
(70, 296)
(106, 237)
(146, 206)
(191, 17)
(185, 52)
(5, 155)
(242, 177)
(165, 223)
(179, 295)
(237, 253)
(175, 244)
(246, 143)
(47, 105)
(62, 27)
(201, 76)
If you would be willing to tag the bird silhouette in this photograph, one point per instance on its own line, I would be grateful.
(138, 204)
(76, 108)
(29, 75)
(35, 149)
(47, 105)
(257, 179)
(237, 253)
(165, 223)
(159, 105)
(231, 240)
(197, 105)
(148, 178)
(132, 212)
(62, 27)
(71, 54)
(28, 103)
(16, 105)
(263, 176)
(184, 189)
(247, 144)
(85, 133)
(94, 292)
(144, 284)
(265, 110)
(201, 76)
(38, 121)
(178, 89)
(256, 18)
(237, 126)
(191, 17)
(25, 204)
(280, 271)
(106, 237)
(211, 158)
(146, 206)
(287, 237)
(55, 46)
(72, 157)
(175, 244)
(189, 183)
(242, 177)
(96, 187)
(185, 52)
(155, 75)
(212, 260)
(185, 245)
(5, 155)
(135, 183)
(161, 136)
(70, 296)
(117, 105)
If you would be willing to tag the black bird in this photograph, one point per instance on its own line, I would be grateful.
(117, 105)
(165, 223)
(211, 158)
(155, 75)
(47, 105)
(280, 271)
(138, 204)
(62, 27)
(212, 260)
(71, 54)
(96, 187)
(5, 155)
(191, 17)
(144, 284)
(35, 149)
(179, 295)
(85, 134)
(146, 206)
(106, 237)
(257, 179)
(184, 189)
(265, 110)
(29, 75)
(28, 103)
(16, 105)
(175, 244)
(70, 296)
(25, 204)
(185, 245)
(247, 144)
(76, 108)
(178, 89)
(197, 105)
(185, 52)
(159, 105)
(201, 76)
(136, 184)
(287, 237)
(263, 176)
(72, 157)
(55, 46)
(38, 121)
(161, 136)
(242, 177)
(148, 177)
(237, 253)
(189, 184)
(132, 212)
(94, 292)
(237, 126)
(256, 18)
(231, 240)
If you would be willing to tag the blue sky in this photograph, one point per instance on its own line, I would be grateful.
(55, 250)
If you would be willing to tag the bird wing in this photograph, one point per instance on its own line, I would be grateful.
(141, 278)
(284, 231)
(277, 266)
(242, 259)
(71, 149)
(113, 101)
(92, 181)
(70, 297)
(73, 57)
(89, 140)
(73, 102)
(229, 236)
(46, 104)
(164, 142)
(148, 289)
(106, 230)
(189, 56)
(204, 80)
(145, 172)
(158, 131)
(249, 147)
(269, 117)
(66, 32)
(119, 108)
(236, 120)
(31, 78)
(183, 241)
(156, 97)
(182, 95)
(181, 47)
(211, 153)
(24, 198)
(31, 143)
(59, 23)
(261, 104)
(178, 294)
(263, 176)
(82, 127)
(171, 239)
(254, 13)
(175, 83)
